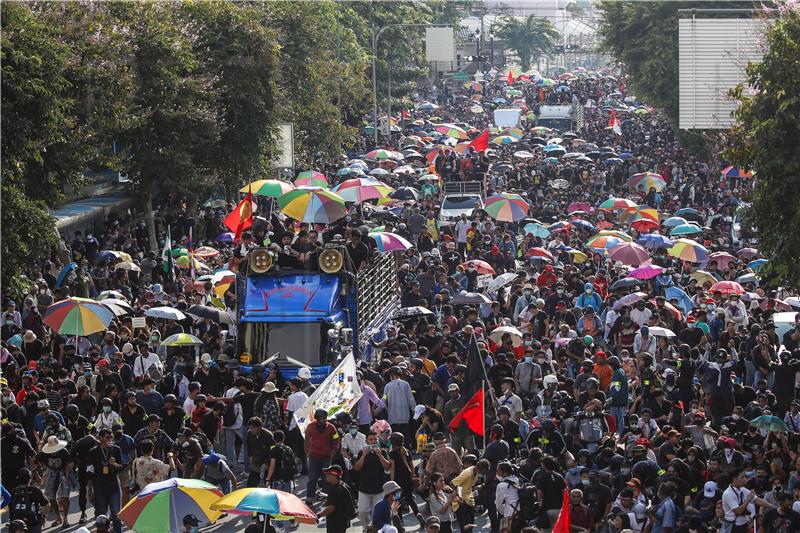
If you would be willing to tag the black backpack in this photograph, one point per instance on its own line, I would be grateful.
(229, 416)
(23, 507)
(288, 464)
(350, 512)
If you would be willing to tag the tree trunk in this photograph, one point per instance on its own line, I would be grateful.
(149, 218)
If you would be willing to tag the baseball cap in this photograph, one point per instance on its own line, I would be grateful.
(433, 521)
(335, 470)
(709, 489)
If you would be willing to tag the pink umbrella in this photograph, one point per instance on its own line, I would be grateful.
(629, 299)
(727, 287)
(629, 253)
(722, 258)
(579, 206)
(540, 252)
(389, 242)
(747, 253)
(646, 272)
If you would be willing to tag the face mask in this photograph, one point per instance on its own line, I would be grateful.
(585, 482)
(398, 494)
(528, 359)
(193, 529)
(9, 322)
(153, 339)
(527, 293)
(106, 408)
(588, 291)
(750, 473)
(353, 432)
(87, 373)
(735, 416)
(691, 458)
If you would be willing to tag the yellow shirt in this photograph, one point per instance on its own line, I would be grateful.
(465, 481)
(430, 225)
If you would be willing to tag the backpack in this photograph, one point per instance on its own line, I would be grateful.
(229, 416)
(350, 506)
(288, 463)
(24, 508)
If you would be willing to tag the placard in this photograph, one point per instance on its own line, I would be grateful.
(138, 322)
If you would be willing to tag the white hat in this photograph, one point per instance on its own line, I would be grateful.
(29, 336)
(390, 487)
(418, 411)
(304, 373)
(54, 445)
(709, 489)
(269, 387)
(205, 358)
(127, 348)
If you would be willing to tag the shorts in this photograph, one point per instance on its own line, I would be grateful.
(56, 485)
(505, 524)
(124, 477)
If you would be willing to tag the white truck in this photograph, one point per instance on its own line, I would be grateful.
(560, 117)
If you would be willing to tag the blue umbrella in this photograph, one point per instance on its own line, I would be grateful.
(687, 211)
(673, 222)
(755, 265)
(537, 230)
(16, 340)
(654, 241)
(65, 271)
(686, 229)
(551, 160)
(612, 161)
(500, 100)
(625, 155)
(585, 224)
(684, 301)
(562, 89)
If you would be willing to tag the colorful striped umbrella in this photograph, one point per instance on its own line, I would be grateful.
(312, 204)
(736, 172)
(161, 506)
(358, 190)
(628, 253)
(632, 214)
(271, 188)
(504, 139)
(221, 281)
(621, 235)
(277, 503)
(506, 207)
(310, 178)
(540, 252)
(389, 242)
(601, 243)
(474, 85)
(689, 250)
(644, 181)
(181, 339)
(382, 154)
(617, 203)
(727, 287)
(187, 262)
(451, 130)
(77, 316)
(517, 133)
(206, 251)
(541, 130)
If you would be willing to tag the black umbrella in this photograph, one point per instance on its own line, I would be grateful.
(212, 313)
(625, 283)
(538, 140)
(405, 193)
(411, 312)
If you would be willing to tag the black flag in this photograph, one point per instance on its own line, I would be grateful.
(476, 370)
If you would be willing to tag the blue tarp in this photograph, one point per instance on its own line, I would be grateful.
(291, 298)
(75, 211)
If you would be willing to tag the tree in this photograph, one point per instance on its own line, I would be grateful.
(529, 37)
(765, 139)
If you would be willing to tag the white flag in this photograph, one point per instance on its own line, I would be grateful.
(339, 392)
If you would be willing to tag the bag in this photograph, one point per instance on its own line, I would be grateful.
(288, 464)
(229, 416)
(154, 373)
(24, 508)
(350, 505)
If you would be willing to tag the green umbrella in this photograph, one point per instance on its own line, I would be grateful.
(769, 422)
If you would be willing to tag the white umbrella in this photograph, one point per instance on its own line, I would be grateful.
(110, 294)
(470, 298)
(501, 281)
(497, 334)
(661, 332)
(127, 265)
(117, 306)
(522, 154)
(167, 313)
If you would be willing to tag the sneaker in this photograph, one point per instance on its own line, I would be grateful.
(310, 502)
(65, 525)
(421, 521)
(56, 523)
(82, 519)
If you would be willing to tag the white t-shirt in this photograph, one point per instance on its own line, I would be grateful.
(294, 403)
(237, 408)
(462, 226)
(733, 498)
(142, 363)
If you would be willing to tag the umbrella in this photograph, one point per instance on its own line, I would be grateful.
(110, 294)
(389, 242)
(358, 190)
(504, 139)
(640, 212)
(646, 272)
(111, 255)
(701, 277)
(188, 262)
(411, 312)
(628, 253)
(522, 154)
(64, 272)
(312, 204)
(769, 422)
(222, 280)
(747, 253)
(182, 339)
(505, 279)
(206, 251)
(613, 161)
(579, 206)
(629, 299)
(211, 313)
(687, 211)
(757, 263)
(616, 203)
(161, 506)
(541, 130)
(497, 335)
(646, 180)
(654, 241)
(77, 316)
(225, 237)
(277, 503)
(506, 207)
(727, 288)
(585, 224)
(405, 193)
(383, 155)
(621, 235)
(686, 229)
(559, 183)
(118, 307)
(625, 283)
(689, 250)
(451, 130)
(167, 313)
(378, 171)
(747, 278)
(601, 243)
(271, 188)
(481, 267)
(736, 172)
(673, 222)
(127, 265)
(536, 229)
(722, 258)
(540, 252)
(656, 331)
(470, 298)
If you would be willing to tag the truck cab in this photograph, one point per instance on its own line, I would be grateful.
(460, 197)
(560, 117)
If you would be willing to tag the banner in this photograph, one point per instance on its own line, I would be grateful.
(339, 392)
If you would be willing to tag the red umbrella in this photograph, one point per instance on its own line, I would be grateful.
(481, 267)
(579, 206)
(727, 287)
(644, 224)
(676, 314)
(540, 252)
(629, 253)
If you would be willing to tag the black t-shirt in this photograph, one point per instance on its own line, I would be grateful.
(338, 498)
(597, 496)
(552, 486)
(209, 424)
(691, 336)
(786, 522)
(26, 504)
(54, 461)
(15, 451)
(372, 475)
(276, 452)
(358, 253)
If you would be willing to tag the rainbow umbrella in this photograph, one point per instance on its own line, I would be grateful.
(506, 207)
(221, 281)
(78, 316)
(621, 235)
(312, 204)
(389, 242)
(310, 178)
(617, 203)
(161, 506)
(602, 243)
(187, 262)
(689, 250)
(474, 85)
(541, 130)
(358, 190)
(736, 172)
(629, 253)
(277, 503)
(517, 133)
(504, 139)
(271, 188)
(632, 214)
(383, 155)
(451, 130)
(646, 180)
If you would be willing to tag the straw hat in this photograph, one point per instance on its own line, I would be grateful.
(54, 445)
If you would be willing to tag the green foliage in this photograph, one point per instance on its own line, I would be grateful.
(765, 139)
(529, 37)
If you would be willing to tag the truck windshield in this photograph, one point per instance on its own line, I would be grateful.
(460, 202)
(559, 124)
(304, 341)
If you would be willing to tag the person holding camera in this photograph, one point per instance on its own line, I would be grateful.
(371, 464)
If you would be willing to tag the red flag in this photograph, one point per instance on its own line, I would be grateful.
(510, 78)
(472, 413)
(615, 124)
(563, 522)
(241, 217)
(481, 142)
(405, 114)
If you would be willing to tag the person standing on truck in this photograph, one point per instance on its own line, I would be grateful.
(460, 229)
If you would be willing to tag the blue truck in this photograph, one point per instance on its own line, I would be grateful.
(314, 315)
